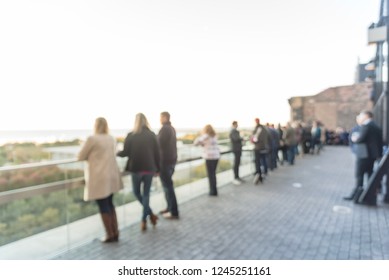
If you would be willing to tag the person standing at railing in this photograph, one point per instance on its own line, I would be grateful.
(167, 140)
(282, 146)
(236, 145)
(316, 133)
(261, 140)
(290, 142)
(211, 154)
(274, 146)
(141, 148)
(102, 176)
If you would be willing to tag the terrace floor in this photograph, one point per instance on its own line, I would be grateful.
(297, 213)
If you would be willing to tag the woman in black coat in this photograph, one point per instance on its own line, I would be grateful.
(141, 148)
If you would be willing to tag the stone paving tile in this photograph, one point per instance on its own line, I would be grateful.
(290, 216)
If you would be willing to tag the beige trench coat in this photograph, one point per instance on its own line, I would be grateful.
(102, 174)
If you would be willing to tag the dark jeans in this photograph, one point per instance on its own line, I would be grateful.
(166, 174)
(273, 158)
(264, 159)
(284, 152)
(364, 165)
(261, 159)
(105, 204)
(257, 161)
(137, 180)
(315, 142)
(291, 154)
(211, 171)
(237, 156)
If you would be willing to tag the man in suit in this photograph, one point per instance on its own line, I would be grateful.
(369, 145)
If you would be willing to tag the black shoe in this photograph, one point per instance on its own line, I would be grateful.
(348, 198)
(373, 204)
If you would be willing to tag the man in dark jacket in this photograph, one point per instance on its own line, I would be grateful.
(261, 139)
(168, 149)
(236, 145)
(369, 149)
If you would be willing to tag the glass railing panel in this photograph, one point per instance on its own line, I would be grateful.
(84, 219)
(75, 220)
(122, 200)
(19, 178)
(25, 217)
(76, 208)
(30, 221)
(187, 171)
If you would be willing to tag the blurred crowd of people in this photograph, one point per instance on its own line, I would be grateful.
(151, 155)
(277, 145)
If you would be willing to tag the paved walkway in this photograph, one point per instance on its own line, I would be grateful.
(298, 213)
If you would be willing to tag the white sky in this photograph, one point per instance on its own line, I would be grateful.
(64, 63)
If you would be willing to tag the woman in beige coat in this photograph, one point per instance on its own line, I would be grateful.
(102, 176)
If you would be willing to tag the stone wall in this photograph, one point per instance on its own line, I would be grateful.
(334, 107)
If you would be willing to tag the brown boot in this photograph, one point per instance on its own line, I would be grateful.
(143, 225)
(153, 219)
(107, 221)
(115, 228)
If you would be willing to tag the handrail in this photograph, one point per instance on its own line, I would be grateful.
(72, 160)
(68, 161)
(8, 196)
(11, 195)
(36, 164)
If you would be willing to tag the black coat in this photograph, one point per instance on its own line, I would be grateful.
(167, 140)
(236, 140)
(142, 151)
(371, 136)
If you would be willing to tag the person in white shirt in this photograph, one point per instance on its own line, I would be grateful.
(211, 154)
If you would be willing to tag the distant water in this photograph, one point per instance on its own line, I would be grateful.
(57, 153)
(44, 136)
(49, 136)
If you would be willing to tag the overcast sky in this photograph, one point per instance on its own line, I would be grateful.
(64, 63)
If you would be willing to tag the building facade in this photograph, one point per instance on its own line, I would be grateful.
(335, 107)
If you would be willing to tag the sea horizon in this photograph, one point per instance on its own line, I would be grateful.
(63, 135)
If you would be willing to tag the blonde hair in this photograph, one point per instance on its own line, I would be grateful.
(208, 129)
(101, 126)
(140, 122)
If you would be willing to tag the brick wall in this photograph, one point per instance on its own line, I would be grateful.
(334, 107)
